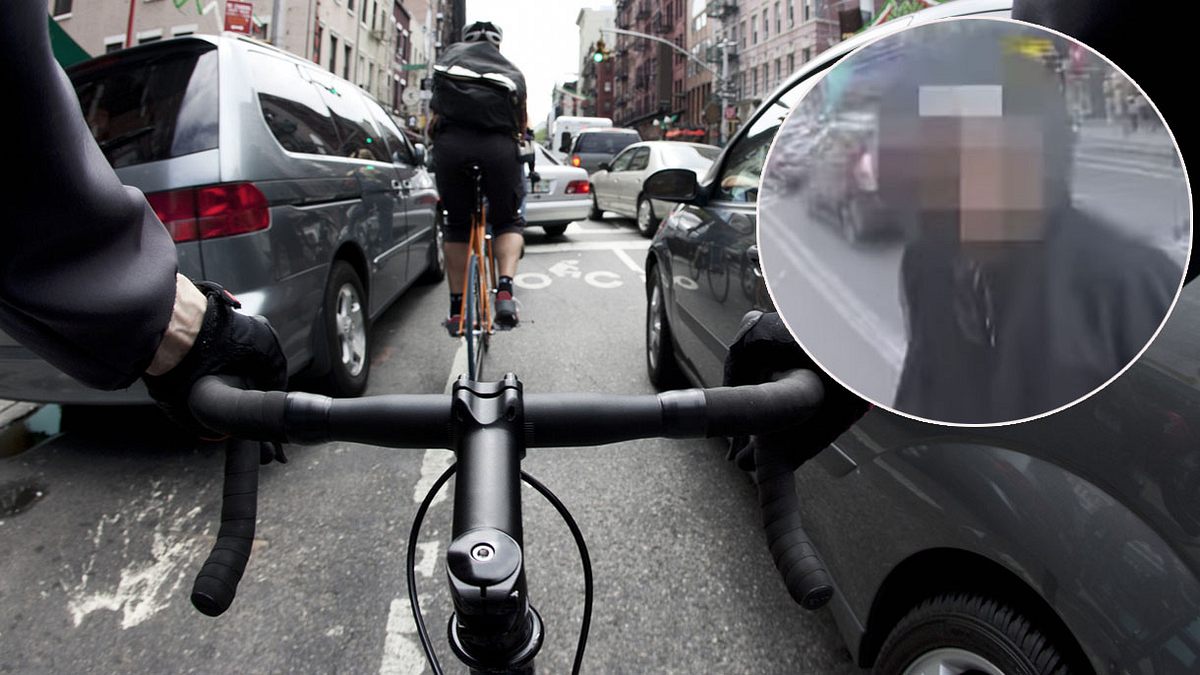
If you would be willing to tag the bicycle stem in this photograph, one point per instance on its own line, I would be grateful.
(493, 627)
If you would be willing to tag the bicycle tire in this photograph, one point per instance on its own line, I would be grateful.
(719, 269)
(469, 318)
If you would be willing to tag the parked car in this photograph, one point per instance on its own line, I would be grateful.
(843, 177)
(618, 188)
(282, 182)
(1074, 537)
(560, 197)
(595, 146)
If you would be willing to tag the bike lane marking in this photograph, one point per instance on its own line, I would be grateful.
(402, 652)
(630, 263)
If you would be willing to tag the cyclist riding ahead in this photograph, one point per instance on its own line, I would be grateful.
(478, 119)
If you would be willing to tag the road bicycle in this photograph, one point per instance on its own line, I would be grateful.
(489, 426)
(475, 323)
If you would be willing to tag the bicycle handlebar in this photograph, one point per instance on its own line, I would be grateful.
(551, 420)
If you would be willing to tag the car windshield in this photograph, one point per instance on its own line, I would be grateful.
(689, 156)
(152, 106)
(607, 142)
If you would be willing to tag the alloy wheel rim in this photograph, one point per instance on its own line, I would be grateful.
(351, 330)
(655, 326)
(951, 661)
(644, 216)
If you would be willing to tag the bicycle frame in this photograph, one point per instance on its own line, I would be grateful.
(479, 278)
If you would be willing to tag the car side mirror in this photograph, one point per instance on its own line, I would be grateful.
(603, 166)
(672, 185)
(420, 155)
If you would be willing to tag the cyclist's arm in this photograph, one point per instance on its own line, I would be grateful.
(87, 271)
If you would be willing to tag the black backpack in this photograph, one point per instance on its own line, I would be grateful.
(474, 86)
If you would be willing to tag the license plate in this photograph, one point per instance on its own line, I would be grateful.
(542, 187)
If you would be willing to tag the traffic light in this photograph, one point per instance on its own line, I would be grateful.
(601, 53)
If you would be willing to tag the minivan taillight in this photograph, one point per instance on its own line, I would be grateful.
(577, 187)
(211, 211)
(575, 161)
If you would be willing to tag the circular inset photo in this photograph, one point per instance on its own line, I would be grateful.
(974, 221)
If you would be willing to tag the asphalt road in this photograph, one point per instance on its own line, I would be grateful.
(844, 299)
(96, 572)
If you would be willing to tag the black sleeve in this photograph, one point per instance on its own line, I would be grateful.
(87, 271)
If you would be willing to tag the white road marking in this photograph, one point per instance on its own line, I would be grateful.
(571, 247)
(594, 279)
(566, 268)
(532, 281)
(402, 653)
(148, 580)
(429, 557)
(630, 262)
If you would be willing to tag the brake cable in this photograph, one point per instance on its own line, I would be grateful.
(563, 512)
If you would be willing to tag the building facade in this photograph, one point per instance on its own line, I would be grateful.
(702, 111)
(650, 75)
(596, 78)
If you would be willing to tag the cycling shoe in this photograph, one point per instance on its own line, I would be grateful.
(506, 310)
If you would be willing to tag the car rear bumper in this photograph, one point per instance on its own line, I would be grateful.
(557, 211)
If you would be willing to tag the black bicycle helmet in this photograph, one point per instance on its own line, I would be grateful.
(483, 31)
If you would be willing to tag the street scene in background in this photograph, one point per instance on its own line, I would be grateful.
(381, 179)
(977, 239)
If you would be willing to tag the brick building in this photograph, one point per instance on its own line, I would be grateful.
(650, 75)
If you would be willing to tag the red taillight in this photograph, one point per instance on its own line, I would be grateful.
(578, 187)
(575, 160)
(212, 211)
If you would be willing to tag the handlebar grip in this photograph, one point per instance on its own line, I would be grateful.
(254, 415)
(217, 582)
(762, 408)
(796, 558)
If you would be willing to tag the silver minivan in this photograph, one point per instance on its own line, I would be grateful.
(279, 180)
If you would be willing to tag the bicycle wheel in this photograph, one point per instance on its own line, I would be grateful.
(716, 268)
(471, 317)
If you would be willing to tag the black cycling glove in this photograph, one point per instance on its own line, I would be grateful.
(763, 348)
(228, 343)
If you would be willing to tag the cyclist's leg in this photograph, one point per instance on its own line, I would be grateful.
(457, 194)
(504, 193)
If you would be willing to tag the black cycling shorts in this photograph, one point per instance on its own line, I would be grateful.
(454, 150)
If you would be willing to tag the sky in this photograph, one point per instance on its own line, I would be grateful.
(541, 38)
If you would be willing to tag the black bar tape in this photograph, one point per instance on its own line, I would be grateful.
(683, 413)
(795, 557)
(762, 408)
(245, 414)
(563, 420)
(216, 584)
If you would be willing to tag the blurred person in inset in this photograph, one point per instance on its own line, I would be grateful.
(1016, 302)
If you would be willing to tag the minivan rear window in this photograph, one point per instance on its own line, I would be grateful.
(292, 106)
(152, 105)
(610, 143)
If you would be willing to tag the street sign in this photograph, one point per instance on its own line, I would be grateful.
(411, 97)
(412, 121)
(414, 66)
(238, 16)
(730, 112)
(426, 95)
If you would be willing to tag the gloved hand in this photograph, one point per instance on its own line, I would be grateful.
(534, 177)
(228, 343)
(762, 348)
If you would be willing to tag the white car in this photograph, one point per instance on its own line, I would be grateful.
(617, 187)
(560, 197)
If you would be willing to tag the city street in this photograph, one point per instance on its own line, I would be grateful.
(851, 293)
(98, 570)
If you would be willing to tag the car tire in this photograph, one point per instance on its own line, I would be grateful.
(647, 224)
(966, 632)
(555, 230)
(853, 220)
(435, 272)
(660, 350)
(346, 332)
(596, 213)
